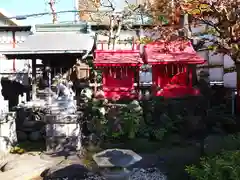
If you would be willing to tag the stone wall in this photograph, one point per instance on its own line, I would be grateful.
(30, 125)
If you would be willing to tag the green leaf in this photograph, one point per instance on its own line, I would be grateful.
(212, 47)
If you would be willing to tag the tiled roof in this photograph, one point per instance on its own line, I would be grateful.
(163, 52)
(54, 42)
(117, 57)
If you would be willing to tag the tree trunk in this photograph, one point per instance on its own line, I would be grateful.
(184, 26)
(238, 88)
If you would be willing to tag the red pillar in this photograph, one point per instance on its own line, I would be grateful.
(190, 76)
(104, 76)
(154, 78)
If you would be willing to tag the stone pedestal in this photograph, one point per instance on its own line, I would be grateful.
(120, 174)
(8, 136)
(114, 163)
(63, 133)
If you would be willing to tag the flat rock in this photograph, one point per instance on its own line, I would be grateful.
(66, 171)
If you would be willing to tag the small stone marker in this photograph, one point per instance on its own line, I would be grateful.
(115, 162)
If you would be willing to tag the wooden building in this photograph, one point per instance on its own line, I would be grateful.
(57, 45)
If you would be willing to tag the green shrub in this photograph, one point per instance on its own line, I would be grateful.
(225, 166)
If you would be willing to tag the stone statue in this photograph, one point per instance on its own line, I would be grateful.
(64, 90)
(65, 98)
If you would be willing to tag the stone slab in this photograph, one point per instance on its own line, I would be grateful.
(63, 130)
(63, 144)
(61, 119)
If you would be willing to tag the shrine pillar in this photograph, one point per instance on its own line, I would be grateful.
(190, 75)
(34, 83)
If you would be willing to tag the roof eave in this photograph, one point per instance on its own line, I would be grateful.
(15, 28)
(6, 53)
(131, 64)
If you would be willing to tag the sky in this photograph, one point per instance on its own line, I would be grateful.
(24, 7)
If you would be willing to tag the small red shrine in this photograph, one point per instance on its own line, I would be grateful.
(172, 67)
(120, 69)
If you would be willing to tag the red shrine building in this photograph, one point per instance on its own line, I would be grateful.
(120, 71)
(172, 67)
(173, 63)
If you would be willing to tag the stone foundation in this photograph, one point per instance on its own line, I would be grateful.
(8, 136)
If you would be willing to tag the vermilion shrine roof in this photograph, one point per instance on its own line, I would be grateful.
(164, 52)
(117, 58)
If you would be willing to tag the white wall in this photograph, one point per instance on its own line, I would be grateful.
(6, 43)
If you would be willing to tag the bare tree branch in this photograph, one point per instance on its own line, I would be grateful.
(110, 5)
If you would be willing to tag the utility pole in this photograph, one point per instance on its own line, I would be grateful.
(54, 15)
(76, 14)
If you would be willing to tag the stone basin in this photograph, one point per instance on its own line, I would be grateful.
(116, 158)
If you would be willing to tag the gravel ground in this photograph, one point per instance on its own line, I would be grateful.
(138, 174)
(147, 174)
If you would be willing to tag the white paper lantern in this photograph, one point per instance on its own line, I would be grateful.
(145, 77)
(230, 80)
(203, 54)
(216, 74)
(228, 62)
(215, 59)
